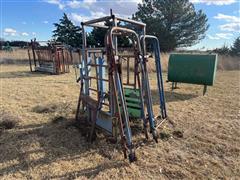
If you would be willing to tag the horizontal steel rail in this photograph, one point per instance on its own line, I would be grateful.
(131, 21)
(103, 19)
(91, 77)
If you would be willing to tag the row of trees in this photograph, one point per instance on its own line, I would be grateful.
(176, 23)
(234, 50)
(70, 34)
(21, 44)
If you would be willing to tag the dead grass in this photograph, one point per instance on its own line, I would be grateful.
(44, 109)
(7, 120)
(17, 56)
(203, 136)
(20, 56)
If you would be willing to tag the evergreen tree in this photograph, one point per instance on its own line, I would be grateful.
(235, 49)
(66, 32)
(176, 23)
(1, 43)
(98, 34)
(224, 50)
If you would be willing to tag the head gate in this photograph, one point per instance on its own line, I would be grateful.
(115, 88)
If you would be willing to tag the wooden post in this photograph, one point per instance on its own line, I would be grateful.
(34, 56)
(63, 62)
(30, 62)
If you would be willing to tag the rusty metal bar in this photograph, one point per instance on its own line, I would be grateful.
(33, 51)
(91, 77)
(98, 26)
(103, 19)
(92, 89)
(142, 25)
(98, 65)
(128, 69)
(129, 84)
(96, 71)
(127, 55)
(124, 30)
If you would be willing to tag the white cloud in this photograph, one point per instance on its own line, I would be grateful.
(60, 4)
(224, 35)
(121, 7)
(75, 4)
(227, 18)
(89, 2)
(81, 4)
(219, 36)
(78, 18)
(34, 34)
(24, 23)
(214, 2)
(24, 34)
(232, 25)
(45, 22)
(9, 32)
(97, 14)
(212, 37)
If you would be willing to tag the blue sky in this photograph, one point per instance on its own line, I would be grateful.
(26, 19)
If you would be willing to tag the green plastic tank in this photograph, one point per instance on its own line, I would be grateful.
(192, 68)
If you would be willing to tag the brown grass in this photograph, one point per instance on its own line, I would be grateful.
(7, 120)
(20, 56)
(17, 56)
(203, 140)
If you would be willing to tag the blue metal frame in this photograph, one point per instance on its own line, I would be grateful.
(117, 102)
(156, 48)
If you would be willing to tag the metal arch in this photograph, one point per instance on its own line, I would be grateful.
(159, 71)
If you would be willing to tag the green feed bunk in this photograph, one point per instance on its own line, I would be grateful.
(192, 68)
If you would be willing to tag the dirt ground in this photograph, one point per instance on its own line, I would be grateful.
(46, 145)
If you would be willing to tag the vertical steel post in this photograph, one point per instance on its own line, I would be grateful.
(85, 60)
(115, 106)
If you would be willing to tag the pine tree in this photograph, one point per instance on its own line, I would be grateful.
(235, 49)
(66, 32)
(176, 23)
(99, 35)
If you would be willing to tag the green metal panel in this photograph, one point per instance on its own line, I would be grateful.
(132, 97)
(192, 68)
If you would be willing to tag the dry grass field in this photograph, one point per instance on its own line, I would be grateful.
(20, 56)
(45, 143)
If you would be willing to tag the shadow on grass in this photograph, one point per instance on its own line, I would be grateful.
(54, 141)
(91, 172)
(171, 96)
(22, 74)
(9, 61)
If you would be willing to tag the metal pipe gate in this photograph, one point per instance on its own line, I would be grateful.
(115, 87)
(53, 58)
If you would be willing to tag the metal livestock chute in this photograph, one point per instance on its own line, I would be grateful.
(115, 88)
(193, 69)
(52, 57)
